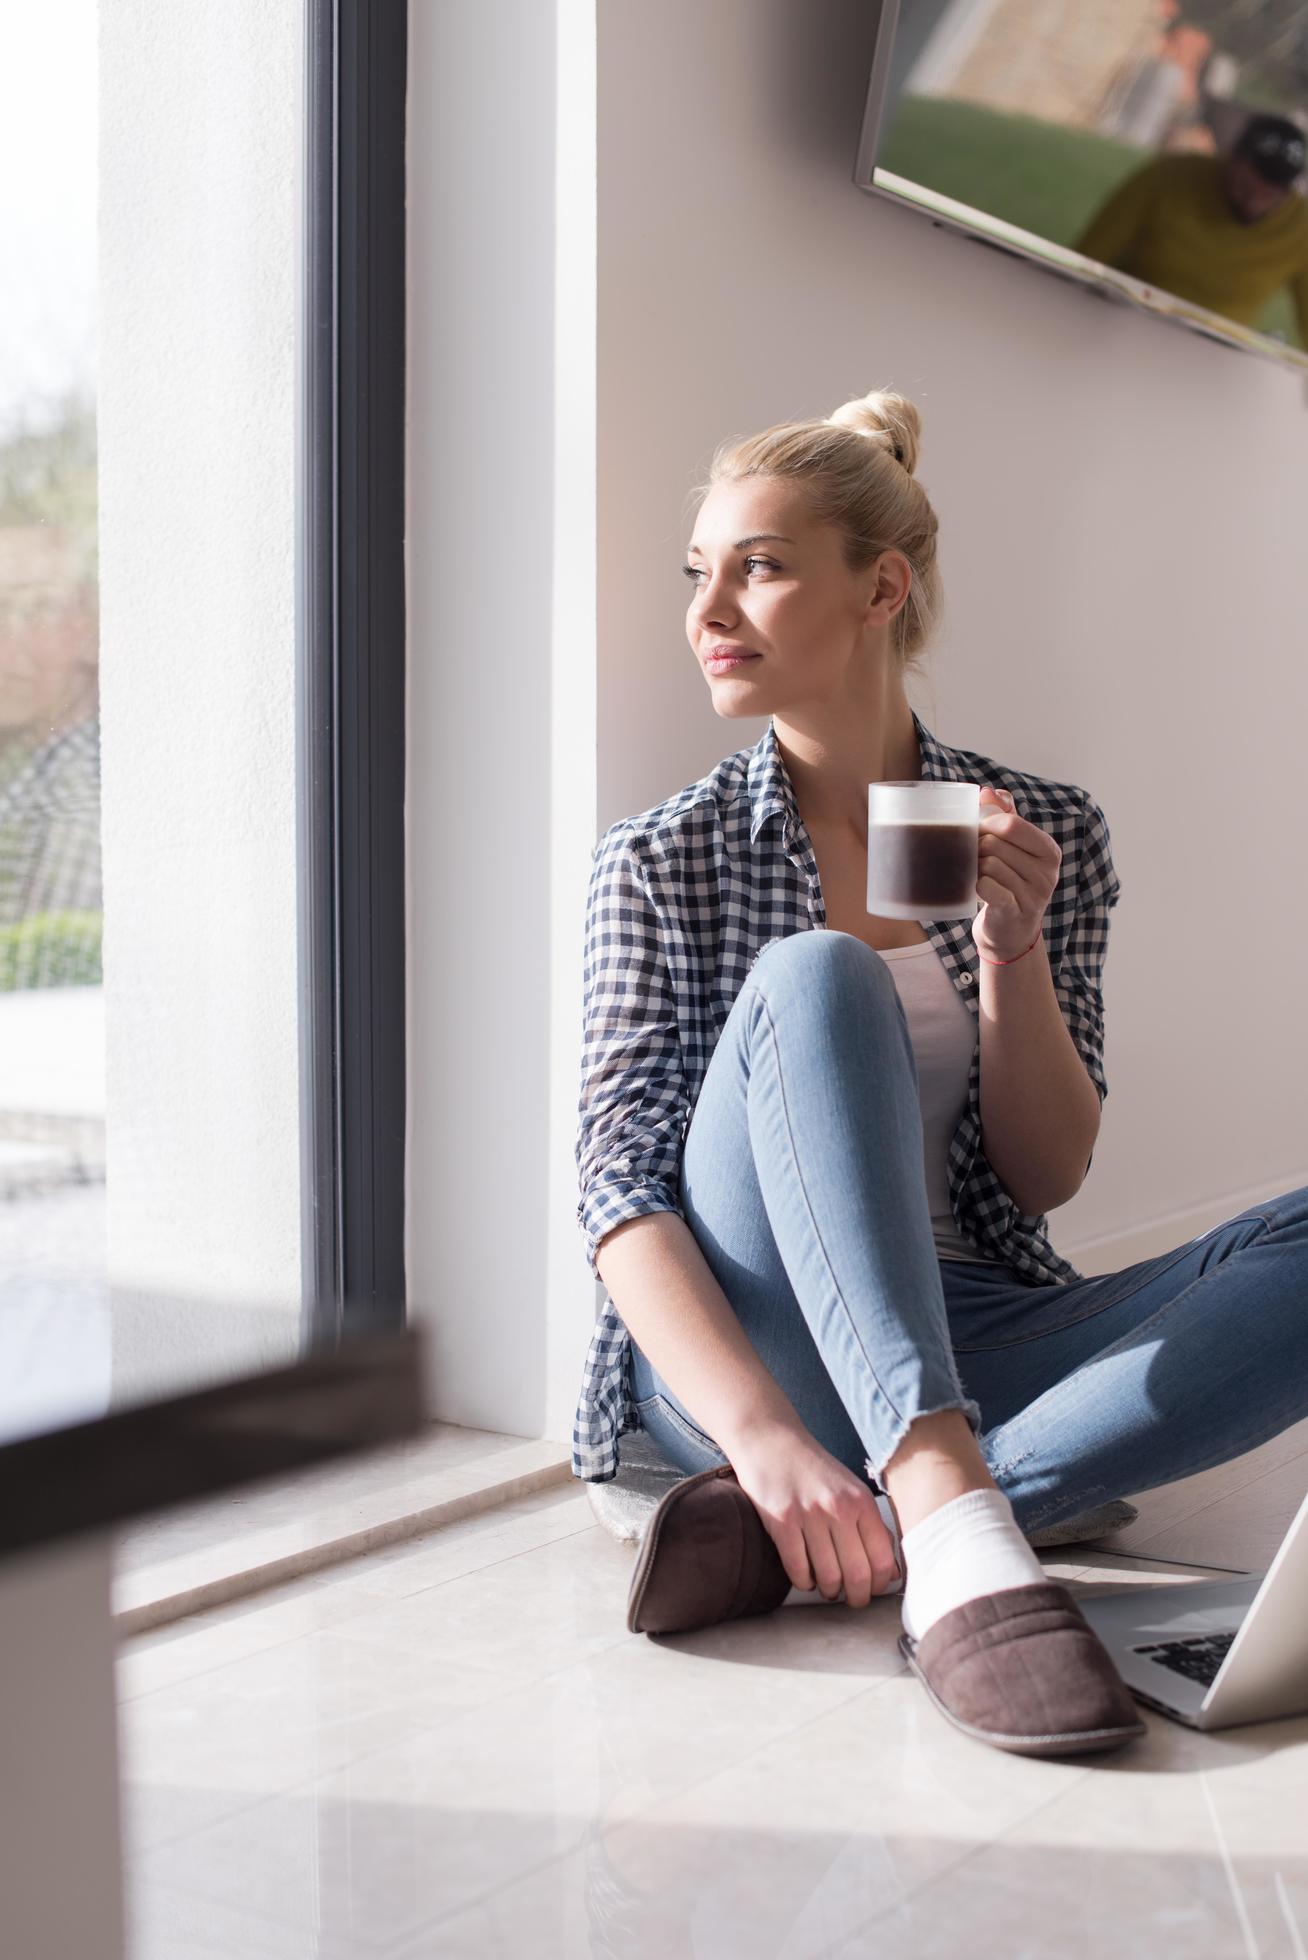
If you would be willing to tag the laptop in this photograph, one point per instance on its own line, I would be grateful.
(1214, 1654)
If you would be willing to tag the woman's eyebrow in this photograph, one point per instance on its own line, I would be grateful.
(742, 544)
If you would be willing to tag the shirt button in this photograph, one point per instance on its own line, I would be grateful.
(965, 977)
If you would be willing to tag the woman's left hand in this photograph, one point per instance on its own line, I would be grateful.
(1017, 875)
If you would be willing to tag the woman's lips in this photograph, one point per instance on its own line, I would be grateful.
(722, 663)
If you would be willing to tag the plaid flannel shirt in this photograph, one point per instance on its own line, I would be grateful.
(682, 901)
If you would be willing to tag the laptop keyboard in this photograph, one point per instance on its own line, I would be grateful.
(1198, 1658)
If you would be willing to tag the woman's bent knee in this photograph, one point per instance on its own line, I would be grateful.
(823, 957)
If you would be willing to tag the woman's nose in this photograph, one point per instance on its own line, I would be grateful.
(711, 601)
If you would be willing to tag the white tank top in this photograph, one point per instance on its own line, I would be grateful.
(944, 1037)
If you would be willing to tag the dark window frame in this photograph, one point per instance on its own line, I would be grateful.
(350, 668)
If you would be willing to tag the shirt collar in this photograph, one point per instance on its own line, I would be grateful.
(771, 791)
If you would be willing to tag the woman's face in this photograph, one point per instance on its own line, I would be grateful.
(771, 581)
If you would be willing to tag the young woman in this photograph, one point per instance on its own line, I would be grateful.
(817, 1147)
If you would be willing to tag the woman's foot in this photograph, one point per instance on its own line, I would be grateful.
(1023, 1670)
(1005, 1654)
(958, 1539)
(967, 1548)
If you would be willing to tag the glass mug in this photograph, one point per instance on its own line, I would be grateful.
(922, 842)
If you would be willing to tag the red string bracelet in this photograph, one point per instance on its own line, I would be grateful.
(1016, 957)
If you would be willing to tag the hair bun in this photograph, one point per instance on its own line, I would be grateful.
(889, 419)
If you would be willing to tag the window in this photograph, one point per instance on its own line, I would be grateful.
(201, 692)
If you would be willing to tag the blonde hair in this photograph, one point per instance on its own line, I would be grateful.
(856, 471)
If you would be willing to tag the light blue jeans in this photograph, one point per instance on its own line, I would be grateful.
(802, 1181)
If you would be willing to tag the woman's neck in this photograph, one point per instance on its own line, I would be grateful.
(831, 757)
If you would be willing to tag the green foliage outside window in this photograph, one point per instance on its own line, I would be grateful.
(52, 949)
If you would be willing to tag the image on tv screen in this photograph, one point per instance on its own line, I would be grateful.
(1162, 140)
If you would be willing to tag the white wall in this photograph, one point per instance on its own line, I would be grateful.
(501, 695)
(1120, 506)
(200, 121)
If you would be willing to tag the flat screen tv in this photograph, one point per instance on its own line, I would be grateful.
(1152, 150)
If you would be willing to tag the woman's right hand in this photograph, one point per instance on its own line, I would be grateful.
(822, 1519)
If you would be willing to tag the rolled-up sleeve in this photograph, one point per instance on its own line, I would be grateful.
(634, 1097)
(1078, 982)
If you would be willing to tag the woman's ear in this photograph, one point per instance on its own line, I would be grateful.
(893, 578)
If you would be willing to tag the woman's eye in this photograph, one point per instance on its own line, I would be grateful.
(695, 572)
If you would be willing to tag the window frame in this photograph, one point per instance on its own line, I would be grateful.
(350, 668)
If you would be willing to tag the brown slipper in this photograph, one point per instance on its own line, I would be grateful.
(1023, 1670)
(706, 1556)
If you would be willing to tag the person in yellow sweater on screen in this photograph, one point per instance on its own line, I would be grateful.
(1224, 232)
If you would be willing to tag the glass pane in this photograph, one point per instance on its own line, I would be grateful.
(149, 1172)
(52, 1095)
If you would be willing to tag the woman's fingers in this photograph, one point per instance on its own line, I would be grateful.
(827, 1550)
(824, 1521)
(851, 1558)
(866, 1552)
(792, 1551)
(996, 880)
(995, 865)
(880, 1548)
(996, 821)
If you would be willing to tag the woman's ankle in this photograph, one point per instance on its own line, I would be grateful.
(938, 1459)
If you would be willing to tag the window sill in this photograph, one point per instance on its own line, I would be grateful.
(195, 1556)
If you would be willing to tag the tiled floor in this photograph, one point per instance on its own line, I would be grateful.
(454, 1748)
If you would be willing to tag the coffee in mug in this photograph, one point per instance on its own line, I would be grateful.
(922, 840)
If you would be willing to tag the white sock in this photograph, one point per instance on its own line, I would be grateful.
(966, 1548)
(814, 1598)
